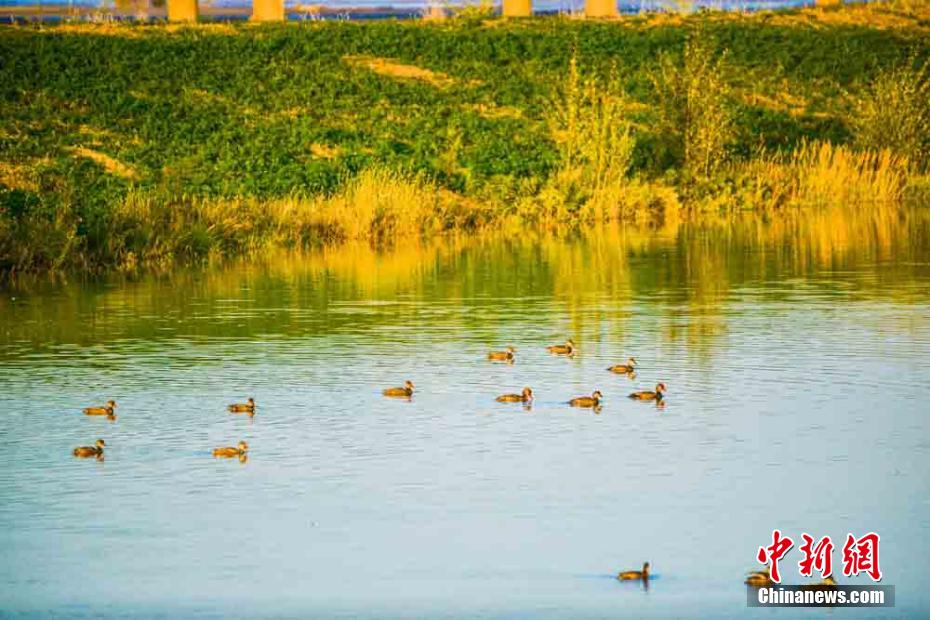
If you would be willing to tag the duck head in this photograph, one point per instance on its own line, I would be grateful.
(100, 443)
(243, 447)
(111, 404)
(527, 393)
(660, 388)
(596, 395)
(251, 402)
(408, 385)
(632, 362)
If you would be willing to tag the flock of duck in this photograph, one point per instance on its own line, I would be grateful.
(508, 355)
(758, 579)
(526, 395)
(406, 391)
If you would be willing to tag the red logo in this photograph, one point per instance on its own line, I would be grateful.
(819, 556)
(775, 552)
(860, 555)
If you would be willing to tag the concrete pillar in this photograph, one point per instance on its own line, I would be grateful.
(182, 10)
(517, 8)
(267, 10)
(434, 11)
(600, 8)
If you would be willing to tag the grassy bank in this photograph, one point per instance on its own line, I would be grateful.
(136, 145)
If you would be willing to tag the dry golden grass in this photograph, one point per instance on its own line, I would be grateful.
(879, 15)
(99, 29)
(821, 174)
(324, 151)
(111, 165)
(782, 101)
(18, 176)
(400, 71)
(492, 111)
(377, 206)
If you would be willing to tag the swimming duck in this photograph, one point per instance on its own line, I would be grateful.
(230, 452)
(593, 400)
(659, 394)
(624, 369)
(406, 391)
(105, 410)
(95, 450)
(524, 397)
(562, 349)
(630, 575)
(247, 407)
(759, 578)
(502, 356)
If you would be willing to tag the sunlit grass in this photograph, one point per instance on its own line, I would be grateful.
(378, 206)
(172, 144)
(821, 174)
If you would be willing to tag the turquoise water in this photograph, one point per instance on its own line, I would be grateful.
(797, 372)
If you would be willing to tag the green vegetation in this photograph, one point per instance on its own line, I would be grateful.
(132, 146)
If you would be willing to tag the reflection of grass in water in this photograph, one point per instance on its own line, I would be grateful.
(686, 271)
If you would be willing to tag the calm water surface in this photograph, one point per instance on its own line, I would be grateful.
(796, 355)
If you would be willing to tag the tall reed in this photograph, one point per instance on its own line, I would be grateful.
(821, 174)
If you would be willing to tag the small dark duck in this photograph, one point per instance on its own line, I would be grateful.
(525, 396)
(246, 407)
(624, 369)
(562, 349)
(106, 410)
(633, 575)
(87, 451)
(659, 394)
(403, 392)
(594, 400)
(230, 452)
(760, 578)
(502, 356)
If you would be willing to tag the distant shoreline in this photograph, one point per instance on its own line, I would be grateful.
(145, 12)
(63, 12)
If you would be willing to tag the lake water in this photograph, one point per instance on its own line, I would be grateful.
(796, 356)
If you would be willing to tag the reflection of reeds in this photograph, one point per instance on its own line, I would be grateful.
(597, 276)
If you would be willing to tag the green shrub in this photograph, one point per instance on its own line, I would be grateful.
(893, 112)
(695, 120)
